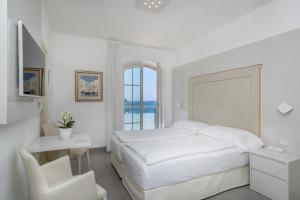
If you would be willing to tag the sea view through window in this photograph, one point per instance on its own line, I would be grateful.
(140, 98)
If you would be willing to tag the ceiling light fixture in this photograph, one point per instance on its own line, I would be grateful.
(151, 5)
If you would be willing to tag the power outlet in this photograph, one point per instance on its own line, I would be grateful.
(285, 142)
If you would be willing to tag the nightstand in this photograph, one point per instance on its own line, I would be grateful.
(275, 175)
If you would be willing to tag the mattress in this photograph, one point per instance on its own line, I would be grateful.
(181, 169)
(120, 137)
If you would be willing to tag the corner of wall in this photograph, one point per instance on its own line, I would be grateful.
(3, 62)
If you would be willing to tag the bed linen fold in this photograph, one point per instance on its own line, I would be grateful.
(127, 136)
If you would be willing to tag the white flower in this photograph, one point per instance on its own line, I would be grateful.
(66, 115)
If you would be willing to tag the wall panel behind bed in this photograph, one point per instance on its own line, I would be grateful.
(230, 98)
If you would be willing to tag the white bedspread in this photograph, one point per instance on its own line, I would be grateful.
(180, 169)
(119, 138)
(156, 151)
(127, 136)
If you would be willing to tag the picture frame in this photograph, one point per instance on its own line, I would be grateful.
(88, 86)
(33, 81)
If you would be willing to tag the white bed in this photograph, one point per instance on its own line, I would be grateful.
(231, 98)
(119, 138)
(150, 167)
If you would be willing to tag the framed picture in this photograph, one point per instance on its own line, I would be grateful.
(88, 86)
(33, 81)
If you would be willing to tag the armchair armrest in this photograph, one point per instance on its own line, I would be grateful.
(82, 187)
(57, 170)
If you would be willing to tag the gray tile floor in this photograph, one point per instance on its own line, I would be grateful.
(107, 177)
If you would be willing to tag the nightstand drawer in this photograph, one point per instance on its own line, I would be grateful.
(269, 166)
(271, 187)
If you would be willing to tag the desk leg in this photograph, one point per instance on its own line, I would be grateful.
(37, 157)
(88, 159)
(79, 165)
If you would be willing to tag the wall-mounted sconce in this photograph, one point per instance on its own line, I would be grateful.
(285, 108)
(179, 105)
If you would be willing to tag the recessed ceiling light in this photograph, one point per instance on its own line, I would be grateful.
(151, 5)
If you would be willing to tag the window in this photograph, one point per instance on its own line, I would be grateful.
(141, 108)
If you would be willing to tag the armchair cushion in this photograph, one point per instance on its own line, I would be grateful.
(75, 188)
(57, 170)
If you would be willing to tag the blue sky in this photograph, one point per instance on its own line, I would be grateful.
(28, 75)
(89, 78)
(150, 84)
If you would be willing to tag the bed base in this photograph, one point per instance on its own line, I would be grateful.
(195, 189)
(116, 164)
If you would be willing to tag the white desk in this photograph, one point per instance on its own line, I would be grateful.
(53, 143)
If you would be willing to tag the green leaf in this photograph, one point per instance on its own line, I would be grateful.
(60, 122)
(70, 124)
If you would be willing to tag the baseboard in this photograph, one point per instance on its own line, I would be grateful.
(98, 149)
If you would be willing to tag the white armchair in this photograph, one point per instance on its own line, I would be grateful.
(54, 180)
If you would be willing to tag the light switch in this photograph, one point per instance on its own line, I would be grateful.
(285, 108)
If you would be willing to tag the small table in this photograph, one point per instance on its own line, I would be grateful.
(53, 143)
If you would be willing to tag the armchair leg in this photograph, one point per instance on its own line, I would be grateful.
(79, 165)
(88, 159)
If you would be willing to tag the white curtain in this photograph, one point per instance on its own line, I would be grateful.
(114, 94)
(114, 88)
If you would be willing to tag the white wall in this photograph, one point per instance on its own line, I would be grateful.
(276, 17)
(47, 46)
(131, 53)
(281, 82)
(3, 61)
(13, 184)
(70, 53)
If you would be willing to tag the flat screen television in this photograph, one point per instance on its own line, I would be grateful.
(31, 60)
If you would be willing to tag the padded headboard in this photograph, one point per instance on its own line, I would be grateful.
(230, 98)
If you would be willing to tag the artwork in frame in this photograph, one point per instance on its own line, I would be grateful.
(33, 81)
(88, 86)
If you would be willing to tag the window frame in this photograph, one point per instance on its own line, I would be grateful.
(158, 108)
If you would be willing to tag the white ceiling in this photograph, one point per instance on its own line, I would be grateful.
(179, 23)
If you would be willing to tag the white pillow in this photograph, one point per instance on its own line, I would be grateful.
(191, 126)
(243, 140)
